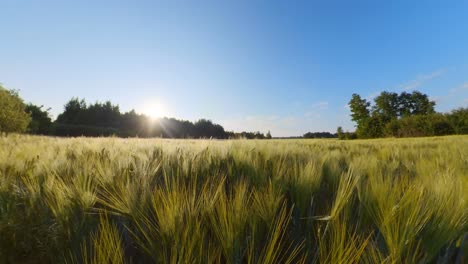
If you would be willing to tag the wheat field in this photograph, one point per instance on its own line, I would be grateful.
(111, 200)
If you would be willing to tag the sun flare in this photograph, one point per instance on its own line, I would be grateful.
(155, 111)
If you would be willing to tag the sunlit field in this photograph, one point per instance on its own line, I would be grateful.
(110, 200)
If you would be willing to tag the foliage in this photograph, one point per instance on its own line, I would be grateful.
(458, 119)
(371, 127)
(13, 117)
(41, 123)
(415, 103)
(319, 135)
(420, 126)
(246, 135)
(387, 106)
(359, 109)
(113, 200)
(391, 112)
(345, 135)
(105, 119)
(69, 130)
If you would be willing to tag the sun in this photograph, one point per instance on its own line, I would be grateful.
(155, 111)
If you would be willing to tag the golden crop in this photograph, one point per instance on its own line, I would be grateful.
(110, 200)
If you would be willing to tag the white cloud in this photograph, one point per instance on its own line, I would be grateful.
(312, 114)
(420, 80)
(452, 92)
(371, 96)
(323, 105)
(411, 84)
(315, 109)
(458, 89)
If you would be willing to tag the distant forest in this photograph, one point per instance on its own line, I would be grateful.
(105, 119)
(80, 118)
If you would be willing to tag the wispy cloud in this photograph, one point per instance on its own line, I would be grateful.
(463, 87)
(453, 92)
(409, 85)
(420, 80)
(315, 109)
(371, 96)
(323, 105)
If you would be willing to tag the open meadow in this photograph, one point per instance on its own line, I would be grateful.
(111, 200)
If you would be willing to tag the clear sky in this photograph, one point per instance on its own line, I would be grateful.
(285, 66)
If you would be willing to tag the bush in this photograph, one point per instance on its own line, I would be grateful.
(419, 126)
(440, 125)
(13, 117)
(66, 130)
(458, 119)
(40, 124)
(319, 135)
(373, 127)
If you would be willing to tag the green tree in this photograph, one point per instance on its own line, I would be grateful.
(387, 105)
(268, 135)
(73, 112)
(373, 127)
(392, 128)
(359, 109)
(421, 105)
(340, 133)
(389, 108)
(406, 104)
(415, 103)
(40, 121)
(420, 125)
(13, 117)
(440, 125)
(458, 118)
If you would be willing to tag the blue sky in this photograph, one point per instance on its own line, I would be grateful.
(285, 66)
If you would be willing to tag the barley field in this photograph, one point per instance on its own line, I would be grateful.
(111, 200)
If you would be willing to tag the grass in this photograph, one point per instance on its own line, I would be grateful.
(110, 200)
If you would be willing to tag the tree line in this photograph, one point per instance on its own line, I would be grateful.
(319, 135)
(103, 119)
(402, 115)
(390, 115)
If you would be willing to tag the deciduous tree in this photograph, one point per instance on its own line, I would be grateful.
(41, 122)
(13, 117)
(359, 109)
